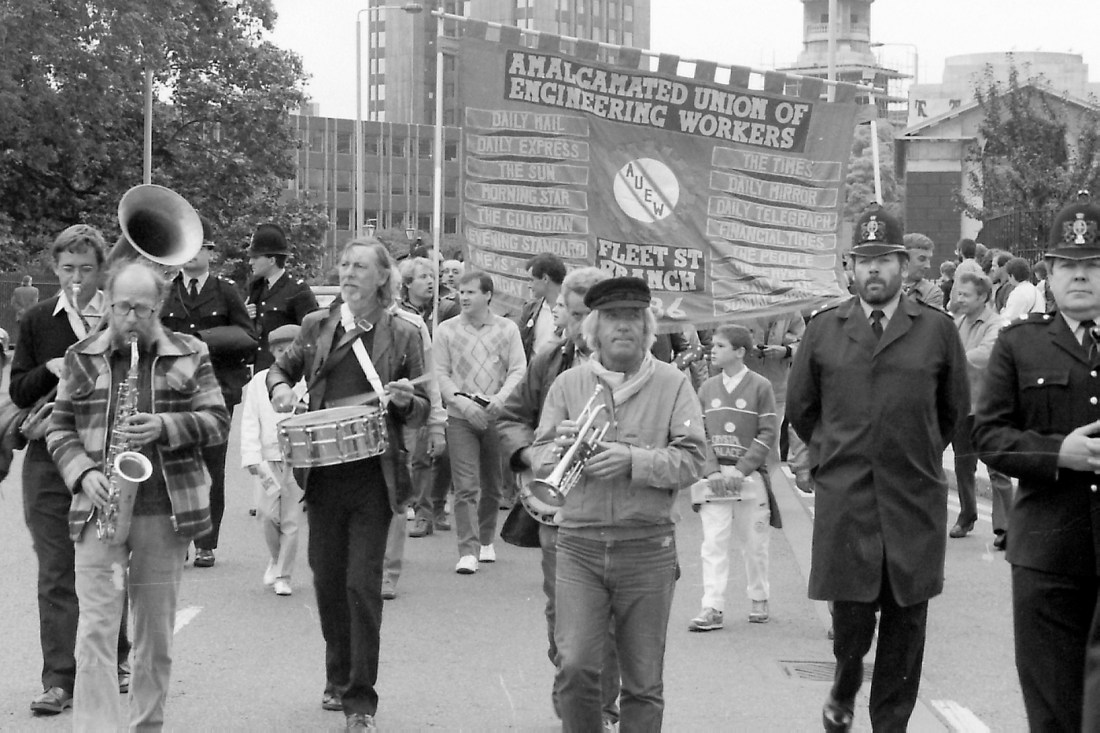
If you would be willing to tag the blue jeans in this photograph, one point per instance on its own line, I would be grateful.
(630, 583)
(609, 674)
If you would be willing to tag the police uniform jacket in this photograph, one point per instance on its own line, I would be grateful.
(397, 353)
(285, 303)
(876, 416)
(1041, 386)
(218, 318)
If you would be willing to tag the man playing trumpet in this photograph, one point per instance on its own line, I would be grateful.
(616, 548)
(177, 410)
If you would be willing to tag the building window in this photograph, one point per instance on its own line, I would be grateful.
(824, 17)
(315, 178)
(628, 11)
(343, 180)
(450, 151)
(628, 38)
(612, 36)
(397, 184)
(450, 224)
(613, 9)
(343, 142)
(424, 223)
(855, 19)
(343, 219)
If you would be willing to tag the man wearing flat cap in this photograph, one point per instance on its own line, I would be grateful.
(616, 548)
(209, 307)
(875, 392)
(1037, 420)
(275, 298)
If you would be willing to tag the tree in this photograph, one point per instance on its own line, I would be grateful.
(860, 183)
(1031, 154)
(71, 114)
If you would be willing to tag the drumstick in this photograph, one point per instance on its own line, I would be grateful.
(374, 396)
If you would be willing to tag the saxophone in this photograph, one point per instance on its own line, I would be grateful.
(124, 467)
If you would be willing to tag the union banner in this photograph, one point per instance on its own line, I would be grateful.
(726, 200)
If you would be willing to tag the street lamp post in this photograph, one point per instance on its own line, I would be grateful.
(360, 158)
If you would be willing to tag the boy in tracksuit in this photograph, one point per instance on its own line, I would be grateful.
(741, 424)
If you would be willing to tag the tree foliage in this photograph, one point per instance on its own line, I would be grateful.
(72, 115)
(1031, 153)
(860, 182)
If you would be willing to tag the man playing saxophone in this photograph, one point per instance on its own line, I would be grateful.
(616, 548)
(177, 409)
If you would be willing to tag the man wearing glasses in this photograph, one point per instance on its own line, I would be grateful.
(177, 410)
(45, 332)
(209, 307)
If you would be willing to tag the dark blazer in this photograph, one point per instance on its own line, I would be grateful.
(526, 322)
(876, 416)
(42, 336)
(218, 318)
(1040, 386)
(286, 303)
(397, 353)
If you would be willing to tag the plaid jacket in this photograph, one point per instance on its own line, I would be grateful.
(186, 396)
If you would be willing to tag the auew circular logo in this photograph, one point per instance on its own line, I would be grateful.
(646, 190)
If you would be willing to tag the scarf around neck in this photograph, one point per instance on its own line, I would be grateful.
(623, 387)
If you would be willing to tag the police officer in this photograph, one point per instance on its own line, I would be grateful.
(1036, 420)
(877, 388)
(209, 307)
(274, 297)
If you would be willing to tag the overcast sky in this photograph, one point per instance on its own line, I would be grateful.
(757, 33)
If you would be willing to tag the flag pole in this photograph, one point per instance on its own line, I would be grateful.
(437, 188)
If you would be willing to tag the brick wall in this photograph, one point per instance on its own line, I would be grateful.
(930, 209)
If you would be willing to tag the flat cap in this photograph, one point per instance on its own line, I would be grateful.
(288, 332)
(618, 292)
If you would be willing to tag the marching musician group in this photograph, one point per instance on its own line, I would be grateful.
(349, 410)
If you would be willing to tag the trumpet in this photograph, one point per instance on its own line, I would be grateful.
(553, 489)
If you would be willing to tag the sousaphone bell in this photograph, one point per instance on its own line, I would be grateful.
(159, 224)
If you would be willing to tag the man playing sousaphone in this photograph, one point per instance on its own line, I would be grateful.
(163, 386)
(616, 548)
(357, 351)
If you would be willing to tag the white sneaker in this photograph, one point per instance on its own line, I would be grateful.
(282, 587)
(410, 514)
(467, 565)
(269, 574)
(488, 554)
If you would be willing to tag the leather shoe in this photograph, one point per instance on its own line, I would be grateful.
(52, 701)
(441, 524)
(961, 528)
(204, 558)
(421, 528)
(361, 721)
(332, 700)
(836, 718)
(1001, 541)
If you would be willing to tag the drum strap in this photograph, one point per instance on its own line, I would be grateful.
(347, 320)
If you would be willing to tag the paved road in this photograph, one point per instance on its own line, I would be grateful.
(467, 653)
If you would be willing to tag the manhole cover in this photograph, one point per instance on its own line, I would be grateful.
(817, 671)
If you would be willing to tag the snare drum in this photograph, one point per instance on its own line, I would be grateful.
(332, 436)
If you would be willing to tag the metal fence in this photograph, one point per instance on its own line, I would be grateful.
(1022, 232)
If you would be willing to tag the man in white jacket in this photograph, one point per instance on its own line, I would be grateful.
(279, 496)
(1025, 298)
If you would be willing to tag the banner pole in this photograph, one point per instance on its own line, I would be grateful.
(437, 188)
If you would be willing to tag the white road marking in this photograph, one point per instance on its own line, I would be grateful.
(961, 719)
(185, 616)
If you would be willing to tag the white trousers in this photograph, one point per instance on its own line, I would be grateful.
(280, 514)
(752, 517)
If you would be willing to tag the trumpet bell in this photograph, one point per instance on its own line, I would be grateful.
(159, 224)
(546, 493)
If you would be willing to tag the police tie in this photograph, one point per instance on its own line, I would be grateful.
(193, 293)
(1089, 339)
(876, 323)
